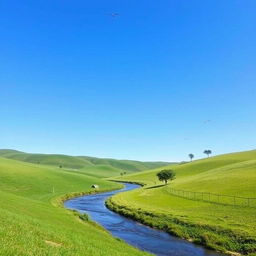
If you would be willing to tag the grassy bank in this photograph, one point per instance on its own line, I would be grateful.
(220, 227)
(32, 222)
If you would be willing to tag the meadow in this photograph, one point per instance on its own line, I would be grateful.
(34, 222)
(225, 228)
(33, 187)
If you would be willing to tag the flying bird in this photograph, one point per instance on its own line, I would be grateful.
(114, 14)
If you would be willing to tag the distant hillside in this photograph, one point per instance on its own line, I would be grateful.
(98, 167)
(126, 165)
(46, 159)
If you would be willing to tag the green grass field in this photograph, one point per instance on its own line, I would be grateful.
(224, 228)
(33, 221)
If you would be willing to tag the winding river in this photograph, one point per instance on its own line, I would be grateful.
(140, 236)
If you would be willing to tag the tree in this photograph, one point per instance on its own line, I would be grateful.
(166, 175)
(207, 152)
(191, 156)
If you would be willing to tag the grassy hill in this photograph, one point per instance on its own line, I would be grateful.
(46, 159)
(33, 222)
(222, 227)
(98, 167)
(101, 171)
(125, 165)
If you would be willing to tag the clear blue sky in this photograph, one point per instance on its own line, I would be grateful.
(141, 85)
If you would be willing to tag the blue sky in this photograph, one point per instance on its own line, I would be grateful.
(142, 85)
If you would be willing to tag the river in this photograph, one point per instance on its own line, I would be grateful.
(140, 236)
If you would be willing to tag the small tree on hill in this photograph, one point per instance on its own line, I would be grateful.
(207, 152)
(166, 175)
(191, 156)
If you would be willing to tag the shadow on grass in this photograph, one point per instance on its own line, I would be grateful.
(157, 186)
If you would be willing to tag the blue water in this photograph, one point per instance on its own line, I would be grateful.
(138, 235)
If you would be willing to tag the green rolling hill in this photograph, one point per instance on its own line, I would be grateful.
(98, 167)
(226, 174)
(126, 165)
(46, 159)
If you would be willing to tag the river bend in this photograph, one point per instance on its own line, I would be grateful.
(140, 236)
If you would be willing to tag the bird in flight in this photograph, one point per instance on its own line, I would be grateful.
(114, 14)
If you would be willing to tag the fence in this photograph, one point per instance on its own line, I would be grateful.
(214, 198)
